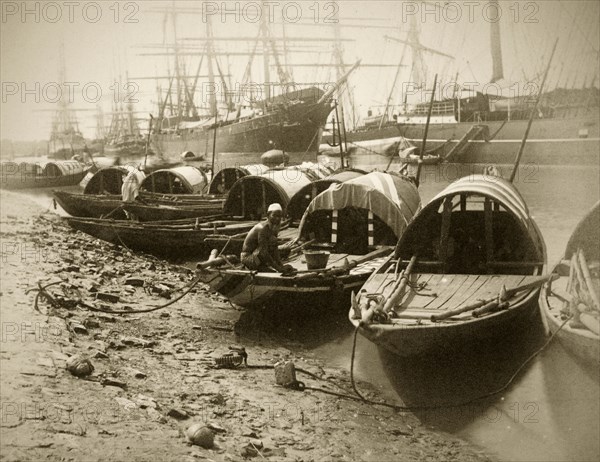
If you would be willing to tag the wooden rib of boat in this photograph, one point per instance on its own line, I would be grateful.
(51, 175)
(176, 238)
(151, 207)
(355, 223)
(570, 298)
(468, 266)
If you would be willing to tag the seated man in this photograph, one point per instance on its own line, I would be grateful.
(260, 252)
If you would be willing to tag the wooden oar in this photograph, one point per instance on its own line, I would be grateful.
(398, 292)
(491, 307)
(420, 164)
(298, 249)
(334, 271)
(509, 293)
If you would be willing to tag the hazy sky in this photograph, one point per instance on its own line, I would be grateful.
(104, 40)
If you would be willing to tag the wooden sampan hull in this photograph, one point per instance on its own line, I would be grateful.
(165, 239)
(581, 342)
(250, 289)
(418, 339)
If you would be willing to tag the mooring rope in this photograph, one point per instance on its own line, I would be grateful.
(42, 292)
(447, 406)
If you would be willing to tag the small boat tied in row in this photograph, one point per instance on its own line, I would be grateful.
(468, 265)
(344, 235)
(570, 303)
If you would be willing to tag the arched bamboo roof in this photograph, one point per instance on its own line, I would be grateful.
(107, 180)
(473, 224)
(300, 201)
(392, 199)
(177, 180)
(225, 178)
(251, 195)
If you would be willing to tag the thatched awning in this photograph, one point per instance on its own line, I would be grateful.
(392, 199)
(60, 168)
(300, 201)
(107, 180)
(316, 170)
(476, 225)
(225, 178)
(250, 196)
(178, 180)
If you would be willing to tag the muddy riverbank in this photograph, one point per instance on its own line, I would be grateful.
(155, 373)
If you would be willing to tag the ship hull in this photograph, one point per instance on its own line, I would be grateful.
(64, 147)
(574, 141)
(297, 132)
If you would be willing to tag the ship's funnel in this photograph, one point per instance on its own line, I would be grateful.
(338, 84)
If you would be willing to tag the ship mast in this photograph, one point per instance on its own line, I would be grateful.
(211, 73)
(338, 55)
(264, 31)
(496, 47)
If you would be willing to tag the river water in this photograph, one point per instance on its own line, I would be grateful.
(550, 412)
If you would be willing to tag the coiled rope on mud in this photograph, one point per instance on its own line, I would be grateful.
(43, 293)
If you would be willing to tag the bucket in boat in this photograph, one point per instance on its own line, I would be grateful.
(316, 259)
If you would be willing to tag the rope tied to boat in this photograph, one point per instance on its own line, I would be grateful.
(419, 287)
(442, 406)
(119, 237)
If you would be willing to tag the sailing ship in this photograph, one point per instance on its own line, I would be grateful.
(124, 139)
(66, 140)
(473, 127)
(238, 132)
(292, 123)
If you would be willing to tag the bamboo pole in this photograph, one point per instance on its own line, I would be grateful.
(339, 135)
(296, 250)
(420, 164)
(533, 111)
(214, 151)
(509, 293)
(148, 140)
(398, 292)
(488, 308)
(334, 271)
(346, 163)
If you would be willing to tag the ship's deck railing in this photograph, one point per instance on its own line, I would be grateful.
(438, 108)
